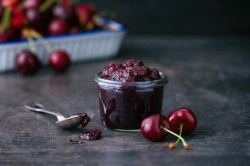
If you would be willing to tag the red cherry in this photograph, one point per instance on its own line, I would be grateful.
(156, 127)
(18, 19)
(151, 127)
(182, 117)
(58, 27)
(59, 60)
(63, 12)
(10, 3)
(9, 34)
(34, 17)
(27, 62)
(85, 12)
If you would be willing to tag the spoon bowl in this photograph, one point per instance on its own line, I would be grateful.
(62, 122)
(70, 122)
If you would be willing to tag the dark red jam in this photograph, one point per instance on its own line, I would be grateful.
(128, 93)
(132, 70)
(91, 135)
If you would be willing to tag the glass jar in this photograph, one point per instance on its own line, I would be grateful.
(125, 105)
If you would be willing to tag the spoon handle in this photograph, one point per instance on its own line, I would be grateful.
(40, 108)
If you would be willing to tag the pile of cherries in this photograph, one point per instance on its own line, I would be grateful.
(181, 121)
(48, 17)
(43, 18)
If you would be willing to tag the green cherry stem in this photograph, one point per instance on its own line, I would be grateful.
(31, 44)
(181, 127)
(5, 19)
(42, 40)
(46, 44)
(186, 146)
(47, 4)
(27, 34)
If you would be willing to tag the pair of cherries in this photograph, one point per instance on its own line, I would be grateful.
(157, 127)
(27, 61)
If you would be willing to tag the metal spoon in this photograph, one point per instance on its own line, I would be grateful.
(65, 123)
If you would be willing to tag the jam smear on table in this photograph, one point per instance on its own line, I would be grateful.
(75, 141)
(91, 135)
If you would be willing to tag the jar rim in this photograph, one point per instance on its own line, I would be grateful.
(162, 81)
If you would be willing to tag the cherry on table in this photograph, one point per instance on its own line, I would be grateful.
(182, 118)
(27, 62)
(156, 127)
(151, 127)
(59, 60)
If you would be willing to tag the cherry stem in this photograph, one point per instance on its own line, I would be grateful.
(181, 127)
(46, 5)
(21, 5)
(5, 19)
(129, 131)
(28, 36)
(31, 44)
(37, 35)
(186, 146)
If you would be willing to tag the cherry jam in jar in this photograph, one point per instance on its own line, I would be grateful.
(128, 93)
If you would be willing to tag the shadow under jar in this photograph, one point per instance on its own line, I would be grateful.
(123, 105)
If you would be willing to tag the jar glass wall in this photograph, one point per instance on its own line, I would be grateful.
(125, 105)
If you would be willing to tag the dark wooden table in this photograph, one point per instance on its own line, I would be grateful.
(211, 76)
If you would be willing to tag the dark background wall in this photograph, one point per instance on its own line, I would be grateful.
(181, 17)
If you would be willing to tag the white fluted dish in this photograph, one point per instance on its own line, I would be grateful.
(82, 46)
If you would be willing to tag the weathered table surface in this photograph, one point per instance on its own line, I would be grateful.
(211, 76)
